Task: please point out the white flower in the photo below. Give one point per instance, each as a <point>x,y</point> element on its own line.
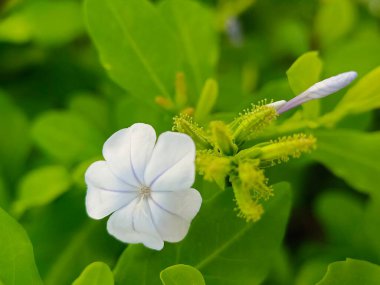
<point>317,91</point>
<point>146,185</point>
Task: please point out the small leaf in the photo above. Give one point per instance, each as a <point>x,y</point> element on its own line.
<point>93,108</point>
<point>351,272</point>
<point>16,254</point>
<point>66,136</point>
<point>142,58</point>
<point>97,273</point>
<point>351,155</point>
<point>303,73</point>
<point>41,186</point>
<point>181,274</point>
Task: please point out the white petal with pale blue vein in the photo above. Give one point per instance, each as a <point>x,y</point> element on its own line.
<point>172,165</point>
<point>128,151</point>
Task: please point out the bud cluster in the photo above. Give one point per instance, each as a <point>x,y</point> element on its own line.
<point>224,157</point>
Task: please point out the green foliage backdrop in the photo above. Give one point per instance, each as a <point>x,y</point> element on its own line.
<point>73,72</point>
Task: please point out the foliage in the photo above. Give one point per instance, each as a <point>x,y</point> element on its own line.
<point>73,73</point>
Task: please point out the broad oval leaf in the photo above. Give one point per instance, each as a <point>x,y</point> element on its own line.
<point>181,274</point>
<point>351,155</point>
<point>91,107</point>
<point>66,136</point>
<point>341,227</point>
<point>223,247</point>
<point>41,186</point>
<point>136,46</point>
<point>351,272</point>
<point>97,273</point>
<point>17,265</point>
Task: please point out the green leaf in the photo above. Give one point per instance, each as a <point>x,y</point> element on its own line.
<point>15,139</point>
<point>75,240</point>
<point>92,108</point>
<point>97,273</point>
<point>364,96</point>
<point>223,247</point>
<point>195,30</point>
<point>358,52</point>
<point>181,274</point>
<point>66,136</point>
<point>351,272</point>
<point>303,73</point>
<point>37,21</point>
<point>143,58</point>
<point>311,271</point>
<point>130,110</point>
<point>371,227</point>
<point>16,254</point>
<point>41,186</point>
<point>4,195</point>
<point>342,227</point>
<point>328,29</point>
<point>351,155</point>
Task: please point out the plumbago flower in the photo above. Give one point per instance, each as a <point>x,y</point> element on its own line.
<point>233,153</point>
<point>145,185</point>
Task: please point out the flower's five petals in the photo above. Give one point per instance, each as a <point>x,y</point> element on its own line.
<point>145,186</point>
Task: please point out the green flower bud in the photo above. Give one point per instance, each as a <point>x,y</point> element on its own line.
<point>286,147</point>
<point>213,167</point>
<point>184,124</point>
<point>248,125</point>
<point>222,138</point>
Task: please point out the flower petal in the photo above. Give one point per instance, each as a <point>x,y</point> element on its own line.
<point>128,151</point>
<point>172,165</point>
<point>170,226</point>
<point>99,174</point>
<point>133,224</point>
<point>184,203</point>
<point>106,193</point>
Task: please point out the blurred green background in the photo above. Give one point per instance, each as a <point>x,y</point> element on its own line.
<point>58,106</point>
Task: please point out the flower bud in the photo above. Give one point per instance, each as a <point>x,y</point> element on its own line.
<point>184,124</point>
<point>248,125</point>
<point>222,138</point>
<point>283,148</point>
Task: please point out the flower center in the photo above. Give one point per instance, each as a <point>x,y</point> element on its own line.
<point>144,191</point>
